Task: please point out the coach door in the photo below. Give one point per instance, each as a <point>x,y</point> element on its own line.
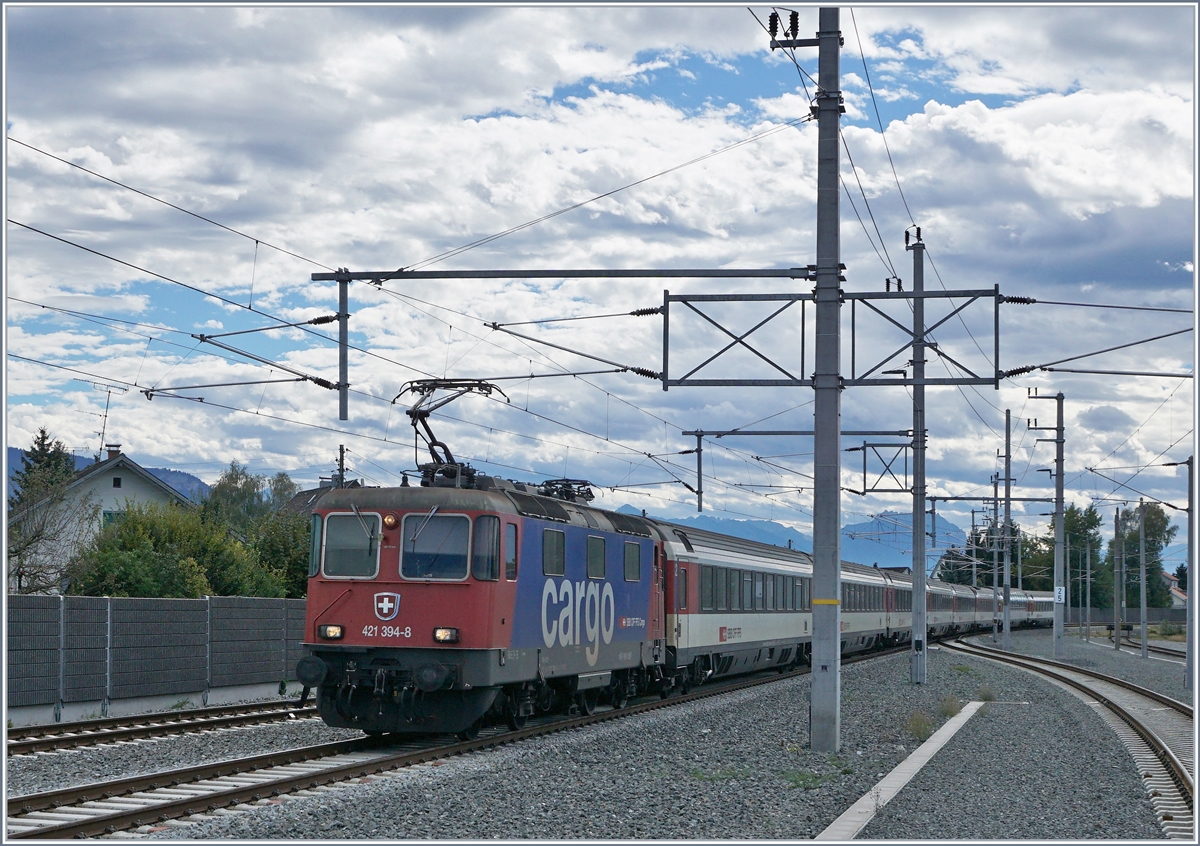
<point>682,612</point>
<point>658,603</point>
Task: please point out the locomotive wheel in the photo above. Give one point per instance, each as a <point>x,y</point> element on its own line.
<point>472,731</point>
<point>620,697</point>
<point>587,699</point>
<point>515,721</point>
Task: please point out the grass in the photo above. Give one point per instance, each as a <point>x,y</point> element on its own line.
<point>965,670</point>
<point>986,694</point>
<point>919,725</point>
<point>182,705</point>
<point>805,779</point>
<point>950,706</point>
<point>719,775</point>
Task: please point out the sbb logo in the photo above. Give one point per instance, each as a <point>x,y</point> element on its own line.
<point>587,613</point>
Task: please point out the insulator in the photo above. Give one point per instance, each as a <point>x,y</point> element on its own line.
<point>645,312</point>
<point>1018,371</point>
<point>329,318</point>
<point>918,233</point>
<point>324,383</point>
<point>906,234</point>
<point>795,22</point>
<point>1018,300</point>
<point>642,371</point>
<point>773,24</point>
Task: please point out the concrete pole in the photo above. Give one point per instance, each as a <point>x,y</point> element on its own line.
<point>1088,630</point>
<point>995,556</point>
<point>1007,528</point>
<point>699,473</point>
<point>1067,563</point>
<point>974,550</point>
<point>1058,529</point>
<point>919,627</point>
<point>824,718</point>
<point>1118,581</point>
<point>343,347</point>
<point>1142,574</point>
<point>1189,663</point>
<point>1020,572</point>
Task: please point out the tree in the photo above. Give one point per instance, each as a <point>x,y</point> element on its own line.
<point>1181,574</point>
<point>1159,533</point>
<point>170,551</point>
<point>281,541</point>
<point>45,524</point>
<point>237,499</point>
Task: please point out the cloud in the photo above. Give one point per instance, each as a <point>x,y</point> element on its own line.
<point>375,138</point>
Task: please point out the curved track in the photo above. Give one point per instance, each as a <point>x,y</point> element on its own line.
<point>1155,728</point>
<point>104,808</point>
<point>56,736</point>
<point>1164,651</point>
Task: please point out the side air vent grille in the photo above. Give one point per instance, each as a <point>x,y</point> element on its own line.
<point>533,506</point>
<point>627,525</point>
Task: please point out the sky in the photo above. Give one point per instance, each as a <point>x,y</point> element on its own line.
<point>1047,150</point>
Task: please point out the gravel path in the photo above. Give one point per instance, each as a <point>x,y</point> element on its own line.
<point>738,767</point>
<point>1158,674</point>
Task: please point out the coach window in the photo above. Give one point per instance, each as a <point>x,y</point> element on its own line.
<point>769,592</point>
<point>789,593</point>
<point>747,590</point>
<point>735,590</point>
<point>721,588</point>
<point>485,565</point>
<point>554,545</point>
<point>595,559</point>
<point>510,551</point>
<point>758,591</point>
<point>633,562</point>
<point>434,546</point>
<point>352,545</point>
<point>706,587</point>
<point>681,588</point>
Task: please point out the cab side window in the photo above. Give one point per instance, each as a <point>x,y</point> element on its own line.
<point>485,565</point>
<point>554,546</point>
<point>510,552</point>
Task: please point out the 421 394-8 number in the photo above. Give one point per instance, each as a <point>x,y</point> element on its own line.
<point>387,631</point>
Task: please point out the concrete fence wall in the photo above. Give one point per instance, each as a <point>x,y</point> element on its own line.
<point>96,650</point>
<point>1103,616</point>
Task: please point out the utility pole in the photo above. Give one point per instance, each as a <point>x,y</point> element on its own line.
<point>824,713</point>
<point>1088,631</point>
<point>974,582</point>
<point>343,280</point>
<point>341,482</point>
<point>995,555</point>
<point>1007,526</point>
<point>1060,590</point>
<point>1142,573</point>
<point>1118,580</point>
<point>919,629</point>
<point>1191,511</point>
<point>1067,562</point>
<point>1020,572</point>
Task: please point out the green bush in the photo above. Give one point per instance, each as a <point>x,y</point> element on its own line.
<point>919,726</point>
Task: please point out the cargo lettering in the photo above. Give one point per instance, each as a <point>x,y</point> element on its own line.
<point>578,612</point>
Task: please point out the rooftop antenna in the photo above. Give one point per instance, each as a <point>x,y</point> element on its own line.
<point>108,389</point>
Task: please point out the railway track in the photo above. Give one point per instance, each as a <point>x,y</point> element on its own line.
<point>1165,651</point>
<point>58,736</point>
<point>1155,728</point>
<point>108,807</point>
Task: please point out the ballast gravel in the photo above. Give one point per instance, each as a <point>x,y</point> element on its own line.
<point>1156,673</point>
<point>1034,763</point>
<point>69,768</point>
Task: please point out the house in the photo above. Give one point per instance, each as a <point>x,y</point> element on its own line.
<point>106,489</point>
<point>1178,597</point>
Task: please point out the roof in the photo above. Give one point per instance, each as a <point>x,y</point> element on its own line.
<point>303,502</point>
<point>124,462</point>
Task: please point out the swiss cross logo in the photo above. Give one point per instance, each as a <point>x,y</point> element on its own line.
<point>387,605</point>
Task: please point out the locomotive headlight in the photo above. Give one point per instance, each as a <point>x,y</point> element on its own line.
<point>445,635</point>
<point>330,632</point>
<point>390,521</point>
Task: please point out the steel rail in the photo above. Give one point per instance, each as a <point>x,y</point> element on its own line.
<point>1175,767</point>
<point>59,800</point>
<point>1158,650</point>
<point>48,738</point>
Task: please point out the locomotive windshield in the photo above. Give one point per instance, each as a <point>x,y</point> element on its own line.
<point>435,546</point>
<point>351,545</point>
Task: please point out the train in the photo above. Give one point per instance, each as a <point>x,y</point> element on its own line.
<point>471,599</point>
